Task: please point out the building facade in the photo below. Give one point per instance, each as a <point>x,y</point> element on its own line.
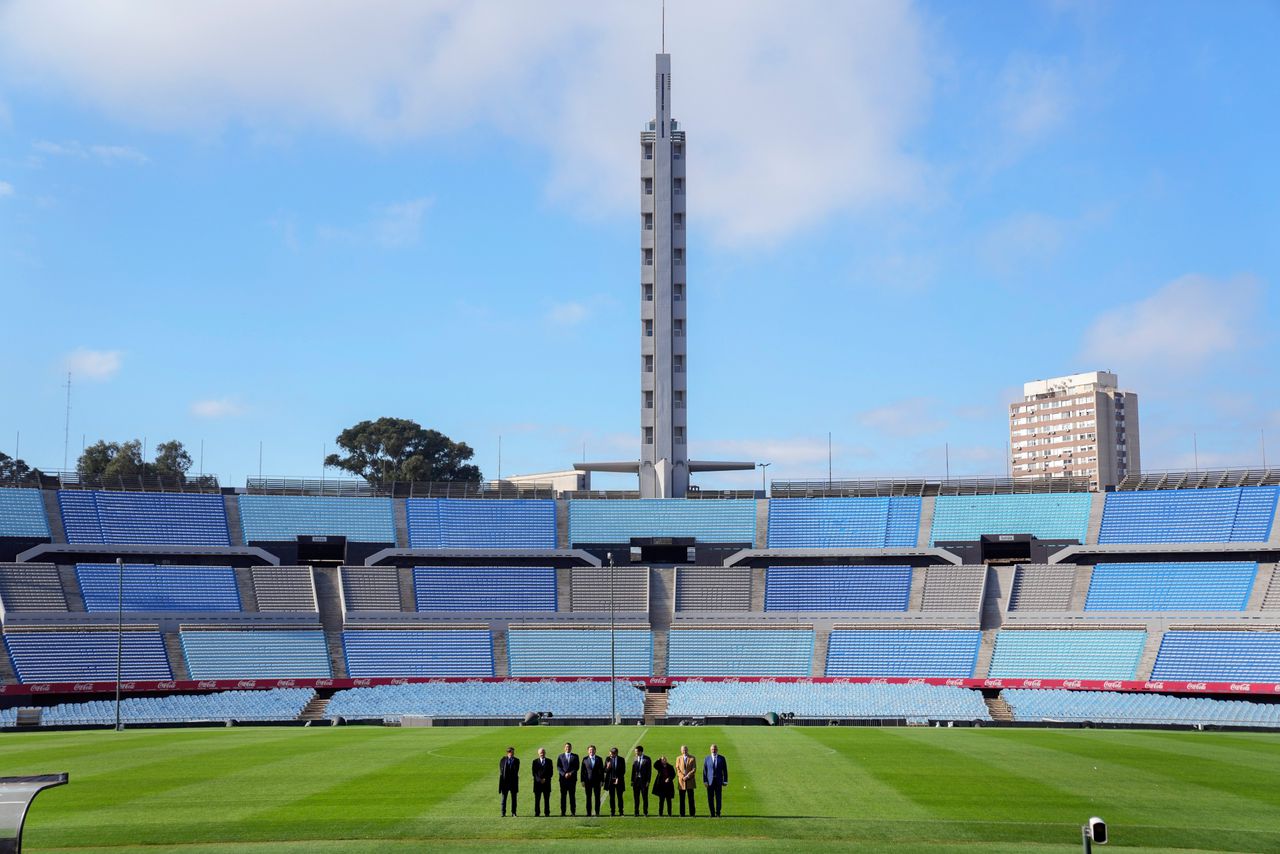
<point>1081,425</point>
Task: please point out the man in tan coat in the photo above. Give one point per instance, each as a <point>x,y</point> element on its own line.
<point>687,779</point>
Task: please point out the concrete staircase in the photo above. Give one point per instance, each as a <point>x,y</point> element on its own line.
<point>1080,593</point>
<point>408,596</point>
<point>562,523</point>
<point>71,588</point>
<point>401,511</point>
<point>762,524</point>
<point>927,505</point>
<point>1095,518</point>
<point>313,711</point>
<point>655,706</point>
<point>244,584</point>
<point>501,664</point>
<point>986,650</point>
<point>177,661</point>
<point>662,583</point>
<point>564,589</point>
<point>757,588</point>
<point>234,528</point>
<point>1148,661</point>
<point>821,640</point>
<point>7,675</point>
<point>661,638</point>
<point>54,512</point>
<point>329,600</point>
<point>999,709</point>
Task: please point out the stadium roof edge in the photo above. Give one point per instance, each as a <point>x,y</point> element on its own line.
<point>474,557</point>
<point>914,556</point>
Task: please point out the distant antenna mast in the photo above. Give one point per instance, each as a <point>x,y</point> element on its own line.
<point>664,26</point>
<point>66,427</point>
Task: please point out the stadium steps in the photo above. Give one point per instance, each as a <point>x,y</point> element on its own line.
<point>1266,589</point>
<point>329,600</point>
<point>927,505</point>
<point>244,585</point>
<point>1149,652</point>
<point>662,597</point>
<point>177,660</point>
<point>564,589</point>
<point>915,600</point>
<point>762,524</point>
<point>660,640</point>
<point>996,593</point>
<point>315,709</point>
<point>999,709</point>
<point>1095,518</point>
<point>400,512</point>
<point>757,588</point>
<point>235,529</point>
<point>7,676</point>
<point>562,526</point>
<point>71,588</point>
<point>408,594</point>
<point>1080,593</point>
<point>53,512</point>
<point>821,640</point>
<point>501,663</point>
<point>986,650</point>
<point>655,706</point>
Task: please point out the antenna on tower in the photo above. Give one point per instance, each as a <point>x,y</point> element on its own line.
<point>664,26</point>
<point>66,425</point>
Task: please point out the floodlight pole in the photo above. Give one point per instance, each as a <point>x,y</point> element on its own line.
<point>1085,841</point>
<point>763,489</point>
<point>613,650</point>
<point>119,633</point>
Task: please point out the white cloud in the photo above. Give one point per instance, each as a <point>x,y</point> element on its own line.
<point>795,110</point>
<point>568,313</point>
<point>94,364</point>
<point>217,408</point>
<point>914,416</point>
<point>6,189</point>
<point>400,225</point>
<point>106,154</point>
<point>1182,326</point>
<point>805,453</point>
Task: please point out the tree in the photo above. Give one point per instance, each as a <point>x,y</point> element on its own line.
<point>108,460</point>
<point>172,460</point>
<point>16,471</point>
<point>397,449</point>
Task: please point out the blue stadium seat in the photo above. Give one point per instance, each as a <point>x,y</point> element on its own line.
<point>1192,586</point>
<point>470,588</point>
<point>283,518</point>
<point>83,655</point>
<point>1050,516</point>
<point>418,652</point>
<point>740,652</point>
<point>22,514</point>
<point>1241,514</point>
<point>837,588</point>
<point>148,587</point>
<point>462,523</point>
<point>1116,707</point>
<point>707,520</point>
<point>256,654</point>
<point>275,704</point>
<point>577,652</point>
<point>887,522</point>
<point>512,700</point>
<point>902,652</point>
<point>1068,653</point>
<point>1227,656</point>
<point>826,701</point>
<point>144,518</point>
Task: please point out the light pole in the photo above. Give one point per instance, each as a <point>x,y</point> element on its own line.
<point>763,466</point>
<point>119,633</point>
<point>613,651</point>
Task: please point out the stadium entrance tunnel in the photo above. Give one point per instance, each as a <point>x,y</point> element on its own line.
<point>1004,549</point>
<point>322,551</point>
<point>16,795</point>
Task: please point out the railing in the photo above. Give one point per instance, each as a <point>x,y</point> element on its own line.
<point>925,486</point>
<point>1206,479</point>
<point>396,489</point>
<point>119,483</point>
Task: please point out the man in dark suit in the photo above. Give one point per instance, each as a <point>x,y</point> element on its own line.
<point>641,772</point>
<point>592,778</point>
<point>715,775</point>
<point>615,781</point>
<point>542,771</point>
<point>567,766</point>
<point>509,779</point>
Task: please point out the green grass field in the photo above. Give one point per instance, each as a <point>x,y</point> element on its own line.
<point>793,789</point>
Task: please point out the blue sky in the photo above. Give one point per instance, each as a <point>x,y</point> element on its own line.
<point>239,222</point>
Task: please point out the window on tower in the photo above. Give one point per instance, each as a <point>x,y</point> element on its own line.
<point>648,328</point>
<point>648,257</point>
<point>648,151</point>
<point>648,364</point>
<point>677,255</point>
<point>648,292</point>
<point>677,362</point>
<point>678,399</point>
<point>677,290</point>
<point>677,185</point>
<point>677,326</point>
<point>648,435</point>
<point>677,219</point>
<point>648,186</point>
<point>648,400</point>
<point>648,222</point>
<point>679,435</point>
<point>677,150</point>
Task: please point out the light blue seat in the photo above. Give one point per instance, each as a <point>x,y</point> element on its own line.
<point>1115,707</point>
<point>902,652</point>
<point>1068,653</point>
<point>275,704</point>
<point>485,588</point>
<point>470,523</point>
<point>837,588</point>
<point>1049,516</point>
<point>578,652</point>
<point>1227,656</point>
<point>83,655</point>
<point>144,518</point>
<point>1241,514</point>
<point>256,653</point>
<point>418,652</point>
<point>916,703</point>
<point>284,518</point>
<point>873,522</point>
<point>507,699</point>
<point>740,652</point>
<point>706,520</point>
<point>1191,586</point>
<point>22,514</point>
<point>148,587</point>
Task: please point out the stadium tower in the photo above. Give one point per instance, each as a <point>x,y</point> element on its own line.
<point>664,465</point>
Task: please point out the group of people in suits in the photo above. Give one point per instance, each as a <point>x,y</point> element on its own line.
<point>609,774</point>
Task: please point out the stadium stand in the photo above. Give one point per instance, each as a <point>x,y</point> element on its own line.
<point>461,523</point>
<point>1048,516</point>
<point>713,589</point>
<point>827,701</point>
<point>255,653</point>
<point>31,587</point>
<point>488,588</point>
<point>1271,597</point>
<point>282,518</point>
<point>730,520</point>
<point>484,700</point>
<point>148,587</point>
<point>418,652</point>
<point>1192,586</point>
<point>1043,587</point>
<point>144,518</point>
<point>1068,653</point>
<point>78,655</point>
<point>577,651</point>
<point>274,704</point>
<point>589,589</point>
<point>872,522</point>
<point>837,588</point>
<point>1219,655</point>
<point>1240,514</point>
<point>371,588</point>
<point>953,588</point>
<point>22,514</point>
<point>1136,708</point>
<point>903,652</point>
<point>740,652</point>
<point>283,588</point>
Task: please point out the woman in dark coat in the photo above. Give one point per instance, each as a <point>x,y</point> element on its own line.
<point>664,783</point>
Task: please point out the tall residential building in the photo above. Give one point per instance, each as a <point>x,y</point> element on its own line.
<point>1080,425</point>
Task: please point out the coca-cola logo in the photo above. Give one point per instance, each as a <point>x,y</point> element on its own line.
<point>955,682</point>
<point>82,686</point>
<point>1241,686</point>
<point>1154,686</point>
<point>166,686</point>
<point>1030,683</point>
<point>878,681</point>
<point>286,683</point>
<point>127,686</point>
<point>41,689</point>
<point>247,683</point>
<point>1072,683</point>
<point>324,683</point>
<point>207,683</point>
<point>731,679</point>
<point>399,681</point>
<point>994,683</point>
<point>362,683</point>
<point>1196,686</point>
<point>917,681</point>
<point>1113,685</point>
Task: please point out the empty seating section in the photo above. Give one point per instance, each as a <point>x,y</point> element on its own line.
<point>577,652</point>
<point>283,518</point>
<point>740,652</point>
<point>707,520</point>
<point>877,522</point>
<point>275,704</point>
<point>461,523</point>
<point>144,518</point>
<point>31,587</point>
<point>371,588</point>
<point>82,655</point>
<point>1193,586</point>
<point>589,589</point>
<point>953,588</point>
<point>418,652</point>
<point>916,703</point>
<point>713,589</point>
<point>484,700</point>
<point>837,588</point>
<point>1052,516</point>
<point>1219,656</point>
<point>1068,653</point>
<point>148,587</point>
<point>283,588</point>
<point>22,514</point>
<point>1043,587</point>
<point>1241,514</point>
<point>485,588</point>
<point>902,652</point>
<point>255,653</point>
<point>1135,708</point>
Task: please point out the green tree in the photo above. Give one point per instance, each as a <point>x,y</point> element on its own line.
<point>15,471</point>
<point>109,460</point>
<point>397,449</point>
<point>172,460</point>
